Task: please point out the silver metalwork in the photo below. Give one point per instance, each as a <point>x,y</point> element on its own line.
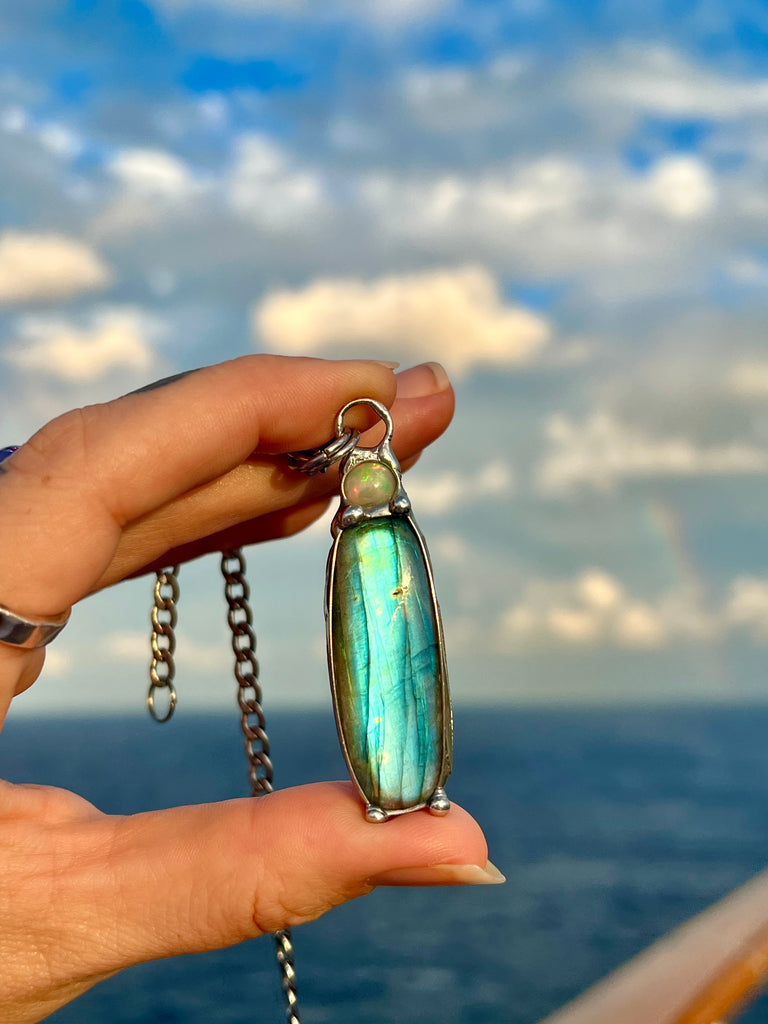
<point>439,803</point>
<point>249,694</point>
<point>352,515</point>
<point>317,460</point>
<point>253,725</point>
<point>17,631</point>
<point>163,667</point>
<point>348,515</point>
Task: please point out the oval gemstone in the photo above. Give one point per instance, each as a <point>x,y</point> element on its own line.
<point>386,666</point>
<point>369,484</point>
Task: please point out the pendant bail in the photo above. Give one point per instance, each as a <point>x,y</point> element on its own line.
<point>381,411</point>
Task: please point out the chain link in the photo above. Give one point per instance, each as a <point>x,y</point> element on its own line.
<point>253,725</point>
<point>163,667</point>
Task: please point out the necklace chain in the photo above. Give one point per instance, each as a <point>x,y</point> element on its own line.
<point>249,694</point>
<point>163,667</point>
<point>249,700</point>
<point>253,725</point>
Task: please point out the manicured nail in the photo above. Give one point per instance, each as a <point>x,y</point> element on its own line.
<point>390,365</point>
<point>441,874</point>
<point>419,381</point>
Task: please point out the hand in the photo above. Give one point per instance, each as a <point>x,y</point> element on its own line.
<point>111,491</point>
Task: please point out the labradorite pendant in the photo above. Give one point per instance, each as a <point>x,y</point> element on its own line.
<point>385,642</point>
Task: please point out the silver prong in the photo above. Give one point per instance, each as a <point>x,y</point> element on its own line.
<point>439,804</point>
<point>402,505</point>
<point>375,813</point>
<point>352,516</point>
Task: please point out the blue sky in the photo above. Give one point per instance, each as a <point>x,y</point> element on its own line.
<point>566,203</point>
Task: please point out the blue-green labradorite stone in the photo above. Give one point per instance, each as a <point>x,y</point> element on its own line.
<point>386,664</point>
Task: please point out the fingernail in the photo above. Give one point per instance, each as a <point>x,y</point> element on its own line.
<point>441,874</point>
<point>389,365</point>
<point>419,381</point>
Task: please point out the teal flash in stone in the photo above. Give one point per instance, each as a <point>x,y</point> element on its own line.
<point>387,667</point>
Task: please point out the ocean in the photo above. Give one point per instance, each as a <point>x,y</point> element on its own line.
<point>612,826</point>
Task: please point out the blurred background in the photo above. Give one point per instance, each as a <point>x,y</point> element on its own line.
<point>566,203</point>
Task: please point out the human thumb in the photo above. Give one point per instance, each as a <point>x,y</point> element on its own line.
<point>121,890</point>
<point>196,878</point>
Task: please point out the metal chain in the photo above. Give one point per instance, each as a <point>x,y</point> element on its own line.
<point>317,460</point>
<point>163,667</point>
<point>253,725</point>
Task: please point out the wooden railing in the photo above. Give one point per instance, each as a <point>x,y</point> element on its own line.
<point>705,972</point>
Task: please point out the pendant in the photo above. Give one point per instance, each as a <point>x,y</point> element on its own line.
<point>385,641</point>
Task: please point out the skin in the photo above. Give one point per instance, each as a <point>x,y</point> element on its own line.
<point>111,491</point>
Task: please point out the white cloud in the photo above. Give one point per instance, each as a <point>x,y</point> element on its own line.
<point>548,192</point>
<point>13,119</point>
<point>247,6</point>
<point>511,195</point>
<point>595,609</point>
<point>604,90</point>
<point>152,188</point>
<point>747,606</point>
<point>447,98</point>
<point>47,266</point>
<point>590,609</point>
<point>747,271</point>
<point>353,136</point>
<point>531,203</point>
<point>599,591</point>
<point>191,655</point>
<point>573,625</point>
<point>682,187</point>
<point>603,452</point>
<point>266,185</point>
<point>116,338</point>
<point>456,316</point>
<point>638,625</point>
<point>459,98</point>
<point>60,139</point>
<point>383,13</point>
<point>749,379</point>
<point>593,219</point>
<point>450,548</point>
<point>440,494</point>
<point>152,172</point>
<point>58,662</point>
<point>660,80</point>
<point>55,136</point>
<point>127,646</point>
<point>214,110</point>
<point>263,186</point>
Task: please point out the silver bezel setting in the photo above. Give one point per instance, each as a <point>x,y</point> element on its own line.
<point>349,515</point>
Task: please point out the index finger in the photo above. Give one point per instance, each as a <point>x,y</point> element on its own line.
<point>71,488</point>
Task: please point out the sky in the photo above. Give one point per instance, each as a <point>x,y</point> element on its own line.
<point>564,202</point>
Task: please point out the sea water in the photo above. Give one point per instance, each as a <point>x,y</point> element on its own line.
<point>612,826</point>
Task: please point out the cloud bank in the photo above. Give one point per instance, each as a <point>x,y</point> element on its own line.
<point>114,339</point>
<point>47,266</point>
<point>456,316</point>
